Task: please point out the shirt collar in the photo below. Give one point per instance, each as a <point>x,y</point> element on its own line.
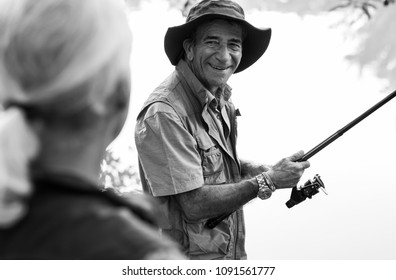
<point>203,95</point>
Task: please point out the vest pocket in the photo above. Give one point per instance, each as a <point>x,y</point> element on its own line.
<point>208,243</point>
<point>212,160</point>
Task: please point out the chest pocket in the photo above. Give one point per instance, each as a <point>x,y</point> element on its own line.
<point>212,160</point>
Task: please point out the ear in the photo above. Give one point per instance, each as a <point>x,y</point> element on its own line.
<point>123,91</point>
<point>188,45</point>
<point>119,99</point>
<point>118,106</point>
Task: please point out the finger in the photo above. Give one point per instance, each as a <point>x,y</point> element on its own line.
<point>296,156</point>
<point>305,164</point>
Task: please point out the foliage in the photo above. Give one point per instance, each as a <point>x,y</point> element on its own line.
<point>377,47</point>
<point>363,8</point>
<point>117,174</point>
<point>182,5</point>
<point>370,23</point>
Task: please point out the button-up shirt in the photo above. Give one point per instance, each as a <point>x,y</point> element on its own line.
<point>186,138</point>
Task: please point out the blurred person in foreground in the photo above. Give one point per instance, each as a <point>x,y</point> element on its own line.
<point>186,135</point>
<point>65,87</point>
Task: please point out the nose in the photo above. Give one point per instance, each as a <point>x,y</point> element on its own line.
<point>223,54</point>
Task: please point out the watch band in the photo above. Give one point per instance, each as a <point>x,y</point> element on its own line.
<point>264,191</point>
<point>270,184</point>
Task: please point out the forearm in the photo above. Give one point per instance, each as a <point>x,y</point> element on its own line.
<point>250,169</point>
<point>214,200</point>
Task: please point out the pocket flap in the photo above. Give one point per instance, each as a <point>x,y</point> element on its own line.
<point>204,141</point>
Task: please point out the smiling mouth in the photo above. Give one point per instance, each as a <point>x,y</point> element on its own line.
<point>219,67</point>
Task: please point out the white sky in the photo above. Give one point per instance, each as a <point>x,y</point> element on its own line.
<point>299,93</point>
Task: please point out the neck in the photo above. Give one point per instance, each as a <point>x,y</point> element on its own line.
<point>74,157</point>
<point>76,169</point>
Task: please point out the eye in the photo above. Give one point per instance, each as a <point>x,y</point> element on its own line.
<point>235,46</point>
<point>212,43</point>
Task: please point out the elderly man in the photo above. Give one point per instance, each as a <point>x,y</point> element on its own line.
<point>186,135</point>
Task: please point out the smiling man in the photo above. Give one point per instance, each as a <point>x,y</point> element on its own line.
<point>186,135</point>
<point>214,53</point>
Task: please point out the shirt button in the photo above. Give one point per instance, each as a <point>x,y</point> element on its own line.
<point>218,116</point>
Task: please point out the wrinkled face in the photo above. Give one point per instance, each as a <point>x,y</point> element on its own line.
<point>215,52</point>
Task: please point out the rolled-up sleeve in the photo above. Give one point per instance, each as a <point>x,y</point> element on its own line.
<point>167,152</point>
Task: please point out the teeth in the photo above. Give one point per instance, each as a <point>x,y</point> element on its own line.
<point>218,68</point>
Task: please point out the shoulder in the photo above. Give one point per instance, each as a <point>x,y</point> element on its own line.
<point>166,91</point>
<point>171,97</point>
<point>87,225</point>
<point>160,107</point>
<point>120,234</point>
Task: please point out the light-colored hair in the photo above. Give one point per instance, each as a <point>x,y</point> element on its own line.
<point>63,57</point>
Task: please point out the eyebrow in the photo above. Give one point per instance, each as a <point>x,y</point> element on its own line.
<point>239,41</point>
<point>213,37</point>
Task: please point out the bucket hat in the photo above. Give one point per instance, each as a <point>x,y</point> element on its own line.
<point>253,46</point>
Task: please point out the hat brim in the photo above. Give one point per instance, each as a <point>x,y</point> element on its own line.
<point>254,45</point>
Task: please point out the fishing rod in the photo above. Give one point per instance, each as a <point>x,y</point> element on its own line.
<point>340,132</point>
<point>312,187</point>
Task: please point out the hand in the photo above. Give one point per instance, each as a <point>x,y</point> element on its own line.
<point>287,172</point>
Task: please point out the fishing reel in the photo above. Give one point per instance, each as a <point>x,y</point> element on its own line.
<point>309,189</point>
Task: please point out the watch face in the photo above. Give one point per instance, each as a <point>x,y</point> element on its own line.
<point>264,193</point>
<point>267,193</point>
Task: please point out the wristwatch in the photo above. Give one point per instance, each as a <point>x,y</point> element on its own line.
<point>265,190</point>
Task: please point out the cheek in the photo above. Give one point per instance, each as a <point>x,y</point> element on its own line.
<point>237,59</point>
<point>204,54</point>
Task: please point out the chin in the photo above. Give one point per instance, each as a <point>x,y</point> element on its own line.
<point>219,83</point>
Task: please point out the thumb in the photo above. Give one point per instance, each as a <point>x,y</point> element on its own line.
<point>296,156</point>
